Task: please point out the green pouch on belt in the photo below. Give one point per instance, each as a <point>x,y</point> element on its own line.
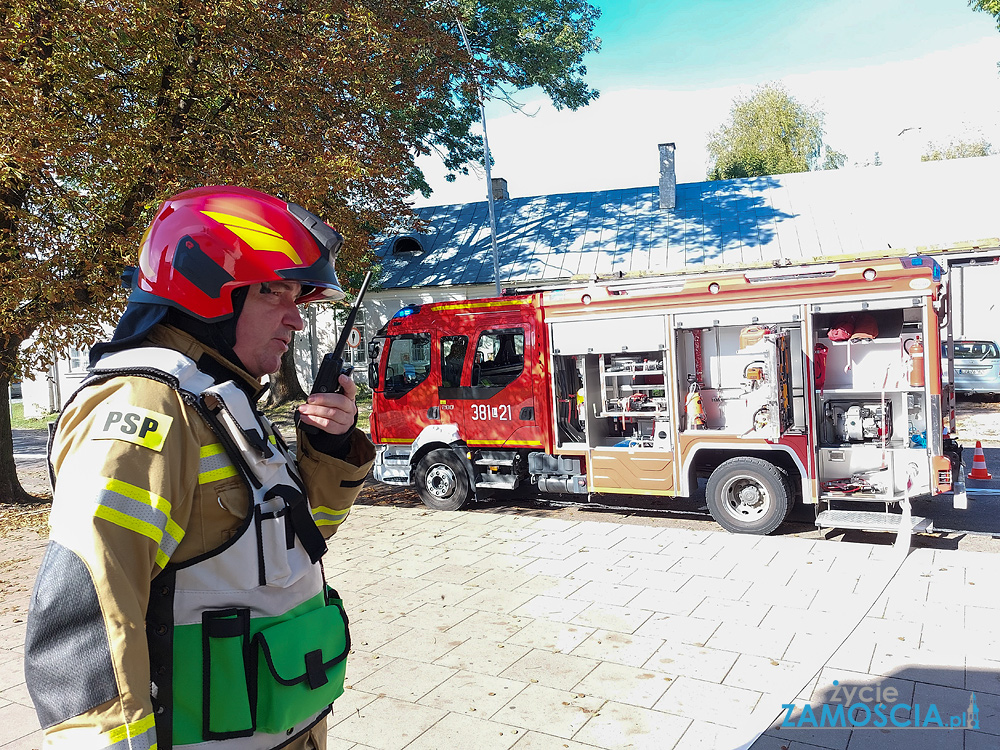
<point>301,665</point>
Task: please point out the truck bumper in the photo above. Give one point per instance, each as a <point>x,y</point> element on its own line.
<point>392,464</point>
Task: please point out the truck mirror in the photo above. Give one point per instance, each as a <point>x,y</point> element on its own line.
<point>373,375</point>
<point>373,349</point>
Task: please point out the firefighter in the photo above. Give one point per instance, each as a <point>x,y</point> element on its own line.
<point>181,600</point>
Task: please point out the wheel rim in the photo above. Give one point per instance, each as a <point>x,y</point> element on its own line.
<point>745,498</point>
<point>441,481</point>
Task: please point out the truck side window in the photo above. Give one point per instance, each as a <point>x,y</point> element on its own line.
<point>408,362</point>
<point>499,357</point>
<point>453,350</point>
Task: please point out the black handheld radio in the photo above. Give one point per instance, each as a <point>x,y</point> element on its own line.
<point>332,366</point>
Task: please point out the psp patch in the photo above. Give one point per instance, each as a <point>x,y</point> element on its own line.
<point>133,425</point>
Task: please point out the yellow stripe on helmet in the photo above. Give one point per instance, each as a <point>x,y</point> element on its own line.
<point>256,235</point>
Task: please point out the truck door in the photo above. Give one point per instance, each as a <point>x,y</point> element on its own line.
<point>494,405</point>
<point>409,388</point>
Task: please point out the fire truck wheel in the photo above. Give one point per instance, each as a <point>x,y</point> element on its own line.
<point>747,495</point>
<point>442,481</point>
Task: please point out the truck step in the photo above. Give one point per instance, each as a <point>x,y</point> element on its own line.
<point>861,497</point>
<point>494,462</point>
<point>497,481</point>
<point>494,458</point>
<point>870,521</point>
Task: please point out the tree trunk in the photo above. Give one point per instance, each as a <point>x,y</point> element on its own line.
<point>285,386</point>
<point>11,490</point>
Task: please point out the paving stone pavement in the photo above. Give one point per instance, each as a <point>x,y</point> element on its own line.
<point>513,630</point>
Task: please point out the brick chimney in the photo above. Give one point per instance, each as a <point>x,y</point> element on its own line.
<point>668,177</point>
<point>500,189</point>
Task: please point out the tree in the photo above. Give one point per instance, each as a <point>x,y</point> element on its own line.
<point>957,149</point>
<point>768,132</point>
<point>110,108</point>
<point>987,6</point>
<point>834,159</point>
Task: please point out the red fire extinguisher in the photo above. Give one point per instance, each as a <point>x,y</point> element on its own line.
<point>916,352</point>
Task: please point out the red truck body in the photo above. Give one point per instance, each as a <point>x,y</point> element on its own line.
<point>745,379</point>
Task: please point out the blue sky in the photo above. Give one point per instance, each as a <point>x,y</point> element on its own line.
<point>668,71</point>
<point>699,43</point>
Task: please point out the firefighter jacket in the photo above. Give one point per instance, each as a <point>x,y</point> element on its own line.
<point>181,602</point>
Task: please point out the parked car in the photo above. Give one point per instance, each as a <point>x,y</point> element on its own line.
<point>977,367</point>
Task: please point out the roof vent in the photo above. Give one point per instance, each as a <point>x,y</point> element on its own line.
<point>406,244</point>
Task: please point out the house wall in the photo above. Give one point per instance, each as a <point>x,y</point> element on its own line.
<point>46,392</point>
<point>977,309</point>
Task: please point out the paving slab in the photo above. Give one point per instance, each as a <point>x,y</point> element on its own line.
<point>500,630</point>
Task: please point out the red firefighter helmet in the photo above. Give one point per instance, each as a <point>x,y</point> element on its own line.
<point>206,242</point>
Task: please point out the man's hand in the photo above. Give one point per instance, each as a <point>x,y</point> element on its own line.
<point>332,412</point>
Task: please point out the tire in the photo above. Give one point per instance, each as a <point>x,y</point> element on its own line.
<point>748,495</point>
<point>442,481</point>
<point>791,490</point>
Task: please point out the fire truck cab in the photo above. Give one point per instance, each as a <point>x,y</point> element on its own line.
<point>761,388</point>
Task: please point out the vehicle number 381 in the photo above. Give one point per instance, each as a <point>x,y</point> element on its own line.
<point>485,412</point>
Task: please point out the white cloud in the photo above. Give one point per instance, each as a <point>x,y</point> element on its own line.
<point>613,142</point>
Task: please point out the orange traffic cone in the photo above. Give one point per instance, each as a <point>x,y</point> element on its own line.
<point>979,464</point>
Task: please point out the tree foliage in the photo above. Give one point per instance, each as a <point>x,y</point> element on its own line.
<point>834,159</point>
<point>111,107</point>
<point>768,132</point>
<point>957,149</point>
<point>987,6</point>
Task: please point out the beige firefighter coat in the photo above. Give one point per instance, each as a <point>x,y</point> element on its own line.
<point>172,472</point>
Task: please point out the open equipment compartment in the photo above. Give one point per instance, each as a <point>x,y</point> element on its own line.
<point>871,408</point>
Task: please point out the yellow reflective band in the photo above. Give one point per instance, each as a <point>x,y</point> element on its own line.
<point>272,439</point>
<point>131,424</point>
<point>211,450</point>
<point>212,471</point>
<point>216,474</point>
<point>522,443</point>
<point>154,522</point>
<point>478,304</point>
<point>324,516</point>
<point>256,235</point>
<point>132,731</point>
<point>128,522</point>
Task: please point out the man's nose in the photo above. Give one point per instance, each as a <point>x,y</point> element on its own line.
<point>293,317</point>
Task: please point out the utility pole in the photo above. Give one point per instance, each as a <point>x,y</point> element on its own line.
<point>489,178</point>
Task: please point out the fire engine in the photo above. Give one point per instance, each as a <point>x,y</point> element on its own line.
<point>761,388</point>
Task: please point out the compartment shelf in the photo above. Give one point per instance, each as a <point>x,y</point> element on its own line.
<point>630,373</point>
<point>873,392</point>
<point>634,414</point>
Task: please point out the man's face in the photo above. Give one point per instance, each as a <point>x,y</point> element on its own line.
<point>265,326</point>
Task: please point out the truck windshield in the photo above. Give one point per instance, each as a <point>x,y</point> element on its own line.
<point>407,362</point>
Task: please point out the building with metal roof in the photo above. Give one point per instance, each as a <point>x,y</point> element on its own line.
<point>926,207</point>
<point>946,208</point>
